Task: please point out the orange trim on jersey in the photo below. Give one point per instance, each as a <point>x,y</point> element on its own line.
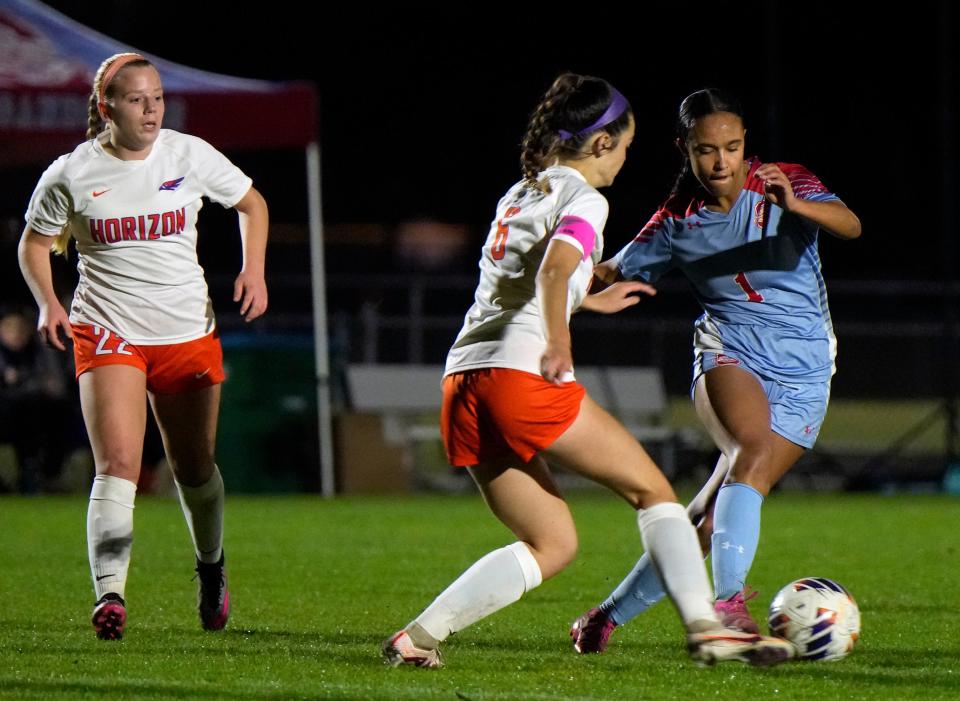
<point>170,369</point>
<point>494,413</point>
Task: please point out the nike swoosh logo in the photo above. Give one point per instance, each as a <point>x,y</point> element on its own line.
<point>201,374</point>
<point>97,194</point>
<point>104,576</point>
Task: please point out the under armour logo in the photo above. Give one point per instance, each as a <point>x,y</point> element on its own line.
<point>727,545</point>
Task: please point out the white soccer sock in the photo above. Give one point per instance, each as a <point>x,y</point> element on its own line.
<point>671,541</point>
<point>110,533</point>
<point>203,509</point>
<point>494,581</point>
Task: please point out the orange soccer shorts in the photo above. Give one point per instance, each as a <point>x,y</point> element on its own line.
<point>493,413</point>
<point>170,369</point>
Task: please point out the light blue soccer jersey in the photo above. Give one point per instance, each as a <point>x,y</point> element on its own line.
<point>755,271</point>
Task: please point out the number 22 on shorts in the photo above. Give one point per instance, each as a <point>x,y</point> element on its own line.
<point>105,336</point>
<point>499,248</point>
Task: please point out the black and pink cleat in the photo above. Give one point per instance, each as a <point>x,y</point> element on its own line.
<point>213,597</point>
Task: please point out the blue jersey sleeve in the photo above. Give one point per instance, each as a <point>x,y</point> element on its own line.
<point>649,255</point>
<point>806,185</point>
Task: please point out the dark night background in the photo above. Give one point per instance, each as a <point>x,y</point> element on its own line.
<point>421,115</point>
<point>422,111</point>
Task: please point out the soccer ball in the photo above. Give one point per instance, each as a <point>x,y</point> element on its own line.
<point>818,616</point>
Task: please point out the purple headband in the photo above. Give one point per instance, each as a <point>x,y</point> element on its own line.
<point>618,105</point>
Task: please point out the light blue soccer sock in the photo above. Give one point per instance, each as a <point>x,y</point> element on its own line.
<point>638,591</point>
<point>736,532</point>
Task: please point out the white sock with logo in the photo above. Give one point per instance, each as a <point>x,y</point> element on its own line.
<point>493,582</point>
<point>203,508</point>
<point>671,541</point>
<point>110,533</point>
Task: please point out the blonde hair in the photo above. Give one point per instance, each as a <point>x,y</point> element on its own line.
<point>95,122</point>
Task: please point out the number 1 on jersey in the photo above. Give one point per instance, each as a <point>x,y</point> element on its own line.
<point>752,294</point>
<point>499,248</point>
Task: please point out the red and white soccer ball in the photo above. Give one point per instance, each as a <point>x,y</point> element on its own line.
<point>818,616</point>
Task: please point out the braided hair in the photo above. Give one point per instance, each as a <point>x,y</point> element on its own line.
<point>572,104</point>
<point>694,106</point>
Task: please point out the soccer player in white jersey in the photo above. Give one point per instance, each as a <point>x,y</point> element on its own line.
<point>745,235</point>
<point>141,320</point>
<point>511,402</point>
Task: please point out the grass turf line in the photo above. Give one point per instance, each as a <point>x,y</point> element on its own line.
<point>317,586</point>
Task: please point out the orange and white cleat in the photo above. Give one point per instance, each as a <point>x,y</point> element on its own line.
<point>399,649</point>
<point>727,645</point>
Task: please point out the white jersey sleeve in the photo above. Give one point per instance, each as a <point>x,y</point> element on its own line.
<point>590,208</point>
<point>51,204</point>
<point>221,180</point>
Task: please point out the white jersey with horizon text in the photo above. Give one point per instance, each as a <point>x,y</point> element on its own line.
<point>135,227</point>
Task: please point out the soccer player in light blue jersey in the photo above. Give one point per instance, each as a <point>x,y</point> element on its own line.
<point>745,235</point>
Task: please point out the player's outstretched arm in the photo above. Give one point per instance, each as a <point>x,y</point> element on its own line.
<point>835,217</point>
<point>607,271</point>
<point>250,288</point>
<point>617,297</point>
<point>34,255</point>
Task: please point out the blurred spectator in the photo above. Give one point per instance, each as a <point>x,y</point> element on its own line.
<point>35,403</point>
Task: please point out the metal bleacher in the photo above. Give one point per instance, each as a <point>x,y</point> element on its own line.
<point>407,399</point>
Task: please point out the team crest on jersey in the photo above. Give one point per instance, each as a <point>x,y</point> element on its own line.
<point>726,360</point>
<point>172,184</point>
<point>758,213</point>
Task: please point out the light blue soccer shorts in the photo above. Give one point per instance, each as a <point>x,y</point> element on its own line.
<point>797,409</point>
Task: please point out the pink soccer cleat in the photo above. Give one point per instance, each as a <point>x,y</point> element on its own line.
<point>591,632</point>
<point>734,614</point>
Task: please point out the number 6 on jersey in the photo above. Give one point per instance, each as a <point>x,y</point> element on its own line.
<point>499,248</point>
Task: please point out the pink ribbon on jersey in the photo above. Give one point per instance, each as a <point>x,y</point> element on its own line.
<point>580,230</point>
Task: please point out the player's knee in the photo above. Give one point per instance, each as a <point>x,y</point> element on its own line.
<point>192,468</point>
<point>119,463</point>
<point>555,552</point>
<point>754,460</point>
<point>758,478</point>
<point>654,490</point>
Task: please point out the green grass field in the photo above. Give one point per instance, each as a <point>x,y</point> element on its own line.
<point>317,585</point>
